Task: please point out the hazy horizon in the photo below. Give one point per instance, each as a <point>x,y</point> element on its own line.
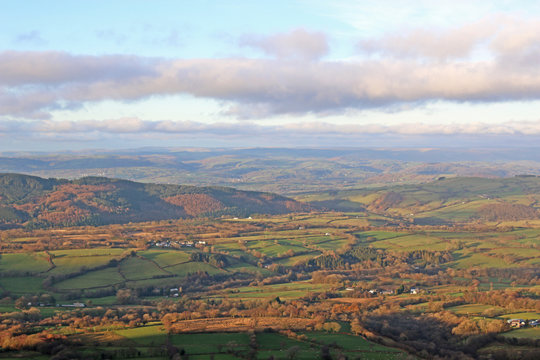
<point>287,74</point>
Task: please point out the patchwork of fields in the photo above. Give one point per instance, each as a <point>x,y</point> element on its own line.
<point>257,252</point>
<point>303,286</point>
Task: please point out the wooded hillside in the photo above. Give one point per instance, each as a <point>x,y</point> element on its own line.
<point>38,202</point>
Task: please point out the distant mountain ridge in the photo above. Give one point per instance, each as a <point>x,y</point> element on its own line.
<point>39,202</point>
<point>278,170</point>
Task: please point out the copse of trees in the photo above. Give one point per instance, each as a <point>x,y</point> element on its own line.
<point>217,260</point>
<point>333,261</point>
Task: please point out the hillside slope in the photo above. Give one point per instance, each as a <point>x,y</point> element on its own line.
<point>34,201</point>
<point>454,200</point>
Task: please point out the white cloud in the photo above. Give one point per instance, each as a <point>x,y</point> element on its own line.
<point>499,35</point>
<point>297,44</point>
<point>412,68</point>
<point>431,43</point>
<point>53,68</point>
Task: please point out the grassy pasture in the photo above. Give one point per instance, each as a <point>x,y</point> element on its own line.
<point>533,262</point>
<point>31,262</point>
<point>522,315</point>
<point>22,285</point>
<point>360,221</point>
<point>472,309</point>
<point>348,342</point>
<point>231,247</point>
<point>102,301</point>
<point>278,345</point>
<point>89,252</point>
<point>8,308</point>
<point>317,220</point>
<point>161,282</point>
<point>50,311</point>
<point>285,291</point>
<point>332,243</point>
<point>364,198</point>
<point>92,279</point>
<point>290,261</point>
<point>466,259</point>
<point>521,252</point>
<point>165,258</point>
<point>135,268</point>
<point>365,236</point>
<point>66,264</point>
<point>152,335</point>
<point>487,283</point>
<point>356,346</point>
<point>314,239</point>
<point>527,333</point>
<point>192,267</point>
<point>459,212</point>
<point>238,266</point>
<point>210,343</point>
<point>273,248</point>
<point>451,235</point>
<point>411,242</point>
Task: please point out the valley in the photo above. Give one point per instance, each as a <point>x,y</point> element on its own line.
<point>356,276</point>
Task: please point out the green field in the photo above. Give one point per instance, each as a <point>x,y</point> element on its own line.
<point>466,259</point>
<point>88,252</point>
<point>211,343</point>
<point>22,285</point>
<point>152,335</point>
<point>272,248</point>
<point>66,262</point>
<point>281,347</point>
<point>93,279</point>
<point>356,346</point>
<point>7,308</point>
<point>471,309</point>
<point>527,333</point>
<point>135,268</point>
<point>193,267</point>
<point>24,262</point>
<point>293,260</point>
<point>165,258</point>
<point>237,266</point>
<point>285,291</point>
<point>411,242</point>
<point>523,315</point>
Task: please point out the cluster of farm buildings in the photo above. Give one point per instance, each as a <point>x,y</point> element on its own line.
<point>519,323</point>
<point>177,244</point>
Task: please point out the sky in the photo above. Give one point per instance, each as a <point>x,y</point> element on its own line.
<point>295,73</point>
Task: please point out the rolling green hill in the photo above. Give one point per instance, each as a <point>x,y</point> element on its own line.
<point>454,200</point>
<point>34,201</point>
